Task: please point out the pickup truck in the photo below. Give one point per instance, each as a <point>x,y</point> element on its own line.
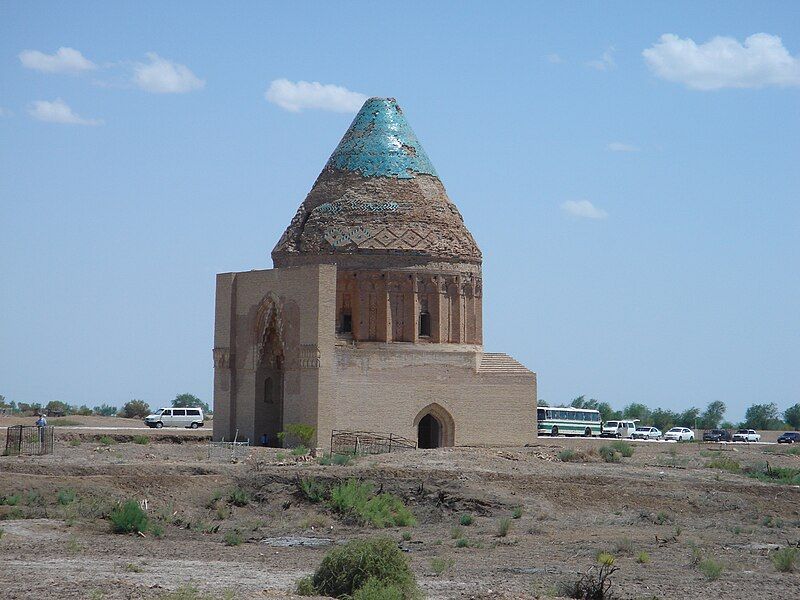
<point>746,435</point>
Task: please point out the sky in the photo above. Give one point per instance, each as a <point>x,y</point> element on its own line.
<point>629,170</point>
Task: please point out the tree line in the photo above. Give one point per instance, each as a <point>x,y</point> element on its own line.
<point>757,416</point>
<point>133,409</point>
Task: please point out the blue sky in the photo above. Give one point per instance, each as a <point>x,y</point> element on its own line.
<point>639,214</point>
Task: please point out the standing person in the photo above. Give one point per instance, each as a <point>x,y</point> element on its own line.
<point>41,423</point>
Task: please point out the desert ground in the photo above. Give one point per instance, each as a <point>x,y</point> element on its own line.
<point>660,513</point>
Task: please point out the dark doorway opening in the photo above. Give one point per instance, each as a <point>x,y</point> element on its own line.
<point>429,432</point>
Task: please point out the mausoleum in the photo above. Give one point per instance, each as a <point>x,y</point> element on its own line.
<point>371,319</point>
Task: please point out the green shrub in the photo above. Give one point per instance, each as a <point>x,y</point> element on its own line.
<point>238,497</point>
<point>466,520</point>
<point>782,475</point>
<point>304,433</point>
<point>74,443</point>
<point>341,460</point>
<point>503,527</point>
<point>142,440</point>
<point>517,512</point>
<point>439,565</point>
<point>605,558</point>
<point>567,455</point>
<point>624,546</point>
<point>300,450</point>
<point>355,500</point>
<point>456,532</point>
<point>406,536</point>
<point>711,568</point>
<point>643,557</point>
<point>377,565</point>
<point>107,441</point>
<point>11,500</point>
<point>624,448</point>
<point>66,497</point>
<point>129,518</point>
<point>312,489</point>
<point>608,454</point>
<point>233,537</point>
<point>724,463</point>
<point>784,558</point>
<point>462,543</point>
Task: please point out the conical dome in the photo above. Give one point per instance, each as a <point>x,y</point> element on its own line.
<point>378,194</point>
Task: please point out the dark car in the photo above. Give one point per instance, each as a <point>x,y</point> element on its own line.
<point>717,435</point>
<point>789,437</point>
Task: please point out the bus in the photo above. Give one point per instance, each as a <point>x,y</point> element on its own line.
<point>568,421</point>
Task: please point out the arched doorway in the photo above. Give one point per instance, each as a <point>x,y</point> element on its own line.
<point>429,432</point>
<point>269,376</point>
<point>435,427</point>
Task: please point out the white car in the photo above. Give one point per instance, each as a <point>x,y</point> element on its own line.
<point>175,417</point>
<point>618,429</point>
<point>680,434</point>
<point>646,433</point>
<point>746,435</point>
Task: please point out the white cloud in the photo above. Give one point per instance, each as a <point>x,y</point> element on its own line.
<point>162,76</point>
<point>723,62</point>
<point>583,209</point>
<point>65,60</point>
<point>622,147</point>
<point>58,111</point>
<point>4,112</point>
<point>554,59</point>
<point>296,96</point>
<point>605,62</point>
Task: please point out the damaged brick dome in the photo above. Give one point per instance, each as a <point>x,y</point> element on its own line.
<point>378,196</point>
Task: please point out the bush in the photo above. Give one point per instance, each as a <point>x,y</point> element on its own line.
<point>503,527</point>
<point>624,448</point>
<point>74,443</point>
<point>783,475</point>
<point>135,409</point>
<point>440,565</point>
<point>312,489</point>
<point>107,440</point>
<point>355,500</point>
<point>608,454</point>
<point>516,513</point>
<point>129,518</point>
<point>377,565</point>
<point>233,538</point>
<point>466,520</point>
<point>567,455</point>
<point>66,497</point>
<point>711,568</point>
<point>724,463</point>
<point>643,557</point>
<point>341,460</point>
<point>238,497</point>
<point>304,433</point>
<point>784,558</point>
<point>11,499</point>
<point>300,451</point>
<point>142,440</point>
<point>595,584</point>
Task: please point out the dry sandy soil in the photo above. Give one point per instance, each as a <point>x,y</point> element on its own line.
<point>664,500</point>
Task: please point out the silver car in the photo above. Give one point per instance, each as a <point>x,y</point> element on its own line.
<point>647,433</point>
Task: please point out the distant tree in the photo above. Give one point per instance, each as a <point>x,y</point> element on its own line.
<point>3,401</point>
<point>712,415</point>
<point>761,416</point>
<point>636,410</point>
<point>541,402</point>
<point>792,416</point>
<point>82,410</point>
<point>105,410</point>
<point>134,409</point>
<point>663,419</point>
<point>606,412</point>
<point>688,418</point>
<point>191,401</point>
<point>727,425</point>
<point>57,407</point>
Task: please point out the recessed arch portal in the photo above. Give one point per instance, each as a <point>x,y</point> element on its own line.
<point>435,427</point>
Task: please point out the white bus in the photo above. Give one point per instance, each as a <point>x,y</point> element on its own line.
<point>568,421</point>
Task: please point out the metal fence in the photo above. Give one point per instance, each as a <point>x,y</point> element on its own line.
<point>228,451</point>
<point>29,440</point>
<point>368,442</point>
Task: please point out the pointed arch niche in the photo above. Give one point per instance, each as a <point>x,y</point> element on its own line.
<point>435,427</point>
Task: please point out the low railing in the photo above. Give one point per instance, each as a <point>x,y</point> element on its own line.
<point>368,442</point>
<point>29,440</point>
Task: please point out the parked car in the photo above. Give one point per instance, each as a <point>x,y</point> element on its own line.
<point>717,435</point>
<point>175,417</point>
<point>619,429</point>
<point>646,433</point>
<point>789,437</point>
<point>680,434</point>
<point>746,435</point>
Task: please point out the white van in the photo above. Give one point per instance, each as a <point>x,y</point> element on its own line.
<point>619,429</point>
<point>175,417</point>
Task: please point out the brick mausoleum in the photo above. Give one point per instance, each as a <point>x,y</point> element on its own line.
<point>371,318</point>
